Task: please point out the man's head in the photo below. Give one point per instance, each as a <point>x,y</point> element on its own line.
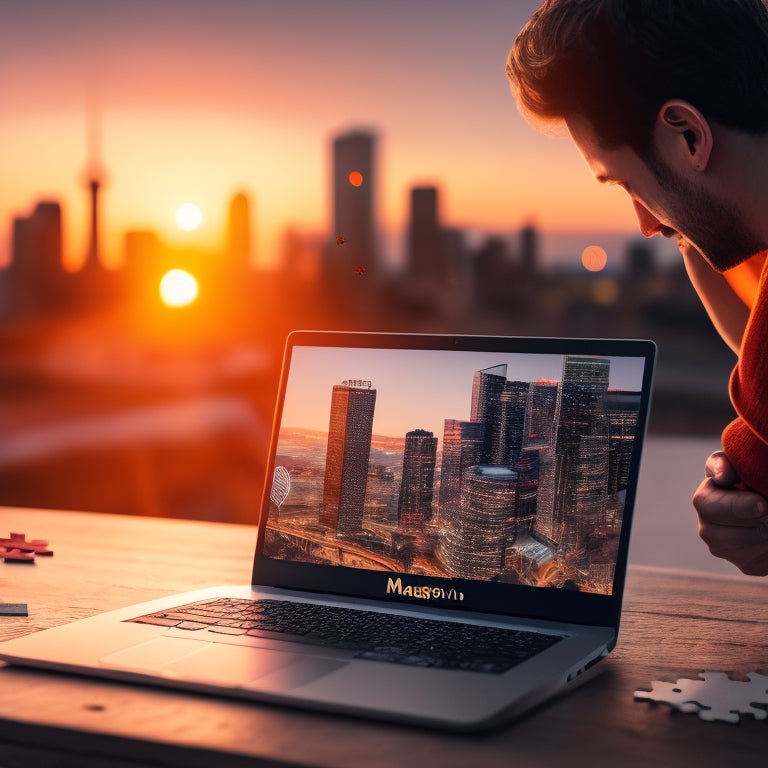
<point>616,62</point>
<point>645,87</point>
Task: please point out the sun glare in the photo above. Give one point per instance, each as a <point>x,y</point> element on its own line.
<point>178,288</point>
<point>188,217</point>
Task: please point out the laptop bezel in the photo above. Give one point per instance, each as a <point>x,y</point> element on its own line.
<point>488,597</point>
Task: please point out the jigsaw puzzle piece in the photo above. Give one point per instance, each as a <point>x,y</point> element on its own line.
<point>668,693</point>
<point>17,556</point>
<point>17,543</point>
<point>714,696</point>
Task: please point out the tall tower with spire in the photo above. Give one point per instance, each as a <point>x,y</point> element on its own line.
<point>94,285</point>
<point>94,174</point>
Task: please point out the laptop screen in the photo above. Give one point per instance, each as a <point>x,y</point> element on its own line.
<point>442,466</point>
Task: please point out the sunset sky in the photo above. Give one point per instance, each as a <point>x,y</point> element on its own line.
<point>197,100</point>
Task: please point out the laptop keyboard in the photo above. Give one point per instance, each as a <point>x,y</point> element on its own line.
<point>369,635</point>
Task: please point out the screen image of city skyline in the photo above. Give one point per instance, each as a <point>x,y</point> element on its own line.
<point>189,103</point>
<point>416,389</point>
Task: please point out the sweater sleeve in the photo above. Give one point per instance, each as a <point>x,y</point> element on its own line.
<point>745,440</point>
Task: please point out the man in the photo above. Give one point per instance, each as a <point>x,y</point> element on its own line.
<point>669,100</point>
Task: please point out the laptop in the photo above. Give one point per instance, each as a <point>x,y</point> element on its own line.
<point>442,539</point>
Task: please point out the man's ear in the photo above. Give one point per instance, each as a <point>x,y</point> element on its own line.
<point>683,134</point>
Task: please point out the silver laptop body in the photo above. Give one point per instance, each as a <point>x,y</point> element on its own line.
<point>442,540</point>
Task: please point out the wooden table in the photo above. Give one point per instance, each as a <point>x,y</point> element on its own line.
<point>675,624</point>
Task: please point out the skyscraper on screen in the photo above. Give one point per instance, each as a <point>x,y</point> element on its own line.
<point>349,445</point>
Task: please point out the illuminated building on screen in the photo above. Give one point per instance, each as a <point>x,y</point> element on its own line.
<point>541,414</point>
<point>487,386</point>
<point>462,448</point>
<point>512,404</point>
<point>349,445</point>
<point>622,409</point>
<point>527,468</point>
<point>581,423</point>
<point>414,507</point>
<point>474,546</point>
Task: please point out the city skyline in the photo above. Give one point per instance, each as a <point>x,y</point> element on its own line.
<point>503,500</point>
<point>315,370</point>
<point>171,104</point>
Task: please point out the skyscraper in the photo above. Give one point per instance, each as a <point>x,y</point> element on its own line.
<point>346,466</point>
<point>425,242</point>
<point>541,413</point>
<point>529,250</point>
<point>487,386</point>
<point>239,232</point>
<point>462,448</point>
<point>36,277</point>
<point>623,410</point>
<point>512,405</point>
<point>414,507</point>
<point>354,205</point>
<point>474,547</point>
<point>580,416</point>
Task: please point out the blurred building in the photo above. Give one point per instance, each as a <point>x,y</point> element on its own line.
<point>354,207</point>
<point>426,256</point>
<point>36,282</point>
<point>529,251</point>
<point>239,243</point>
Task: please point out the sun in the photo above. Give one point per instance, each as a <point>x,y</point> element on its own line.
<point>188,217</point>
<point>178,288</point>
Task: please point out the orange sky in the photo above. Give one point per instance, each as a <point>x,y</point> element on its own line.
<point>199,100</point>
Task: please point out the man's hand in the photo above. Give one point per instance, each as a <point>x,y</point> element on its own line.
<point>733,522</point>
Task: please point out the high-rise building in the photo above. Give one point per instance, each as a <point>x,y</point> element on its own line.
<point>541,413</point>
<point>474,546</point>
<point>346,466</point>
<point>426,258</point>
<point>623,411</point>
<point>529,251</point>
<point>512,405</point>
<point>527,468</point>
<point>580,416</point>
<point>354,206</point>
<point>414,507</point>
<point>462,448</point>
<point>36,279</point>
<point>487,386</point>
<point>239,232</point>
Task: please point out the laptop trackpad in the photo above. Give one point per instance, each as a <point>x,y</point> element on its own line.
<point>221,664</point>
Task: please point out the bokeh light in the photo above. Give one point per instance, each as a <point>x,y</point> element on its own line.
<point>605,291</point>
<point>355,178</point>
<point>188,217</point>
<point>178,288</point>
<point>594,258</point>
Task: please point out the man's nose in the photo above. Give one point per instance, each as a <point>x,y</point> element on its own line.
<point>649,224</point>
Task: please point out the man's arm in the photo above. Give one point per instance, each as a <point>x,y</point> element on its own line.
<point>725,309</point>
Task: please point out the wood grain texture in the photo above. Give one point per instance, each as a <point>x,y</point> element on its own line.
<point>675,624</point>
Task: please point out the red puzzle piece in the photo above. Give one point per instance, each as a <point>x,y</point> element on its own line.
<point>17,549</point>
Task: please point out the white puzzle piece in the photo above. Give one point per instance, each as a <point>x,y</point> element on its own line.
<point>714,696</point>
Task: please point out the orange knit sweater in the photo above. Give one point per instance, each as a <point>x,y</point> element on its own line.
<point>745,440</point>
